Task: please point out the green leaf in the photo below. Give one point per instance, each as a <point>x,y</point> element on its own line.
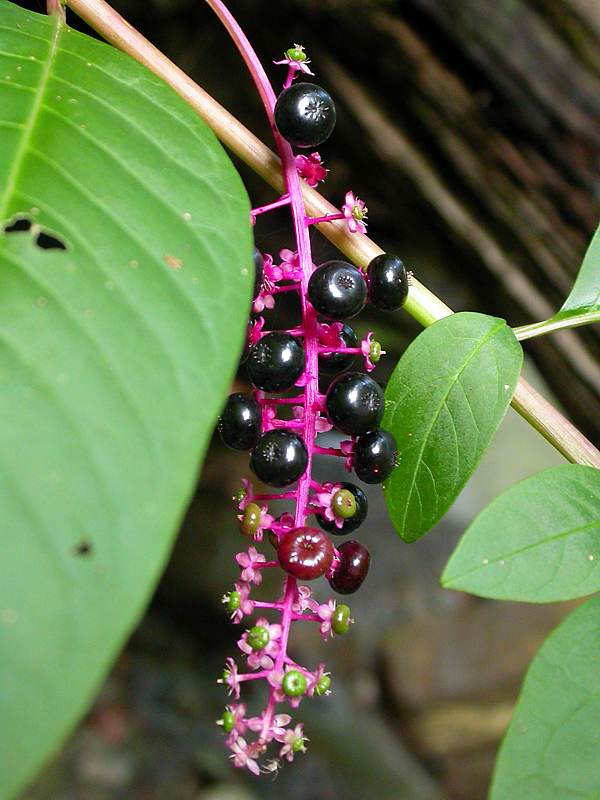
<point>539,541</point>
<point>550,751</point>
<point>444,402</point>
<point>585,294</point>
<point>115,356</point>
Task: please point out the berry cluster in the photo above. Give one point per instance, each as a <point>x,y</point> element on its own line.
<point>280,421</point>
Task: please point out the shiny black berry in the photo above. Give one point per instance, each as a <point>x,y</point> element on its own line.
<point>388,282</point>
<point>339,362</point>
<point>240,422</point>
<point>305,115</point>
<point>375,456</point>
<point>354,403</point>
<point>258,266</point>
<point>352,569</point>
<point>279,458</point>
<point>276,362</point>
<point>337,290</point>
<point>353,522</point>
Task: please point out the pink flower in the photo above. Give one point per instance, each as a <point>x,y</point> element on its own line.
<point>244,755</point>
<point>296,59</point>
<point>303,601</point>
<point>271,274</point>
<point>311,169</point>
<point>330,334</point>
<point>314,678</point>
<point>250,563</point>
<point>322,503</point>
<point>371,350</point>
<point>326,611</point>
<point>263,658</point>
<point>347,448</point>
<point>255,330</point>
<point>230,678</point>
<point>276,729</point>
<point>355,211</point>
<point>322,424</point>
<point>293,743</point>
<point>264,523</point>
<point>275,678</point>
<point>290,265</point>
<point>246,606</point>
<point>245,495</point>
<point>238,710</point>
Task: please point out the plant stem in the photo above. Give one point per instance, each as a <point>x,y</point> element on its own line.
<point>550,325</point>
<point>421,303</point>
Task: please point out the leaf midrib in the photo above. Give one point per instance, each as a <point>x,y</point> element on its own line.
<point>511,554</point>
<point>33,117</point>
<point>444,398</point>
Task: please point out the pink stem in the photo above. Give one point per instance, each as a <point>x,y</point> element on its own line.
<point>283,201</point>
<point>326,218</point>
<point>328,451</point>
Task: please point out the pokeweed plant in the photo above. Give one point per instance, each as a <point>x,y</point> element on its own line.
<point>150,233</point>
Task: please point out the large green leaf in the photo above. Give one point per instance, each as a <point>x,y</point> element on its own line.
<point>115,355</point>
<point>444,402</point>
<point>550,751</point>
<point>539,541</point>
<point>585,294</point>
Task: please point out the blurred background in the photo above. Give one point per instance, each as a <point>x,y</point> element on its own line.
<point>471,128</point>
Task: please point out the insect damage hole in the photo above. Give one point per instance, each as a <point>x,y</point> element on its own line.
<point>43,239</point>
<point>83,547</point>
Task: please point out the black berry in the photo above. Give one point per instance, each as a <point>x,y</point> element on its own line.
<point>258,266</point>
<point>240,422</point>
<point>352,569</point>
<point>388,282</point>
<point>276,362</point>
<point>279,458</point>
<point>305,115</point>
<point>354,403</point>
<point>337,290</point>
<point>353,522</point>
<point>305,553</point>
<point>375,456</point>
<point>339,362</point>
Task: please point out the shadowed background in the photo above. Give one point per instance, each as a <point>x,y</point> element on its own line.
<point>472,130</point>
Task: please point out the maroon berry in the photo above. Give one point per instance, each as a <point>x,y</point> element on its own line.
<point>352,569</point>
<point>306,553</point>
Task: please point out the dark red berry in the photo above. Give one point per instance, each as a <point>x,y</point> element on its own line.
<point>305,115</point>
<point>276,362</point>
<point>337,290</point>
<point>240,422</point>
<point>305,553</point>
<point>354,403</point>
<point>352,569</point>
<point>279,458</point>
<point>388,282</point>
<point>375,456</point>
<point>332,363</point>
<point>353,522</point>
<point>258,266</point>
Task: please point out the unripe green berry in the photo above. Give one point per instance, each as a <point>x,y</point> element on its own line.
<point>250,522</point>
<point>343,504</point>
<point>296,53</point>
<point>239,495</point>
<point>258,637</point>
<point>340,619</point>
<point>232,601</point>
<point>374,351</point>
<point>299,746</point>
<point>323,685</point>
<point>293,683</point>
<point>228,721</point>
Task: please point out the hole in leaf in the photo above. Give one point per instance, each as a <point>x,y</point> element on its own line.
<point>17,225</point>
<point>83,548</point>
<point>49,242</point>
